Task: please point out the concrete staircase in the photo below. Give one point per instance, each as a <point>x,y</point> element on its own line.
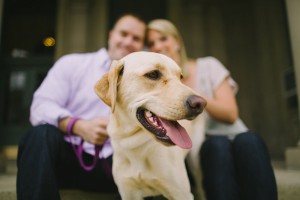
<point>288,182</point>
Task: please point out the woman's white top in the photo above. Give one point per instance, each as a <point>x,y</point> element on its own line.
<point>210,74</point>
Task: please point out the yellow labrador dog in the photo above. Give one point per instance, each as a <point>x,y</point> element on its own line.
<point>147,98</point>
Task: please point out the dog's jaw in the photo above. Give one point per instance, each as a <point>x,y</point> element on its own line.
<point>165,131</point>
<point>152,124</point>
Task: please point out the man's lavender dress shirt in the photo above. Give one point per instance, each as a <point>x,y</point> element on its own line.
<point>68,91</point>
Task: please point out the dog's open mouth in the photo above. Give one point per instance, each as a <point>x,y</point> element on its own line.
<point>166,131</point>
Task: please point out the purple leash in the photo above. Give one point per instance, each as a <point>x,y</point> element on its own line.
<point>78,152</point>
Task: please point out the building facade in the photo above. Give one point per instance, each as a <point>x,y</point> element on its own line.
<point>258,41</point>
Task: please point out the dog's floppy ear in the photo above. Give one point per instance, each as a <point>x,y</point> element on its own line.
<point>106,87</point>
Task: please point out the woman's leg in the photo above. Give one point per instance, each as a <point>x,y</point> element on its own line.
<point>253,167</point>
<point>217,162</point>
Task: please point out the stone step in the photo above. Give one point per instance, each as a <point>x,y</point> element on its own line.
<point>288,182</point>
<point>8,191</point>
<point>8,187</point>
<point>292,157</point>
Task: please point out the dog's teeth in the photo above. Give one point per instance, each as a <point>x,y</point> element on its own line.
<point>151,119</point>
<point>148,113</point>
<point>155,123</point>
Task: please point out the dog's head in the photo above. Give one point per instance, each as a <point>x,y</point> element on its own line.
<point>148,86</point>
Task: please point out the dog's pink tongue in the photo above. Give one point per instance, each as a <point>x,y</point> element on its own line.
<point>177,134</point>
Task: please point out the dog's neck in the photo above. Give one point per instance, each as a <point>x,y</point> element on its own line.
<point>126,131</point>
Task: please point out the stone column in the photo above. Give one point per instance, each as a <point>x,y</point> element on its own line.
<point>293,13</point>
<point>2,157</point>
<point>81,26</point>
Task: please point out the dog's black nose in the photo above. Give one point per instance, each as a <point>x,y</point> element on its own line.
<point>195,104</point>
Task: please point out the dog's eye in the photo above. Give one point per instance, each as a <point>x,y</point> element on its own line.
<point>154,75</point>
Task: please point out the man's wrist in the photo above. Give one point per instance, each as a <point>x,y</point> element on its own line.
<point>70,125</point>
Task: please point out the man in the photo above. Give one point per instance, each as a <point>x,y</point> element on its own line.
<point>66,103</point>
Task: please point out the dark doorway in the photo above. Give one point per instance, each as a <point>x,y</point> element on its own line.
<point>27,50</point>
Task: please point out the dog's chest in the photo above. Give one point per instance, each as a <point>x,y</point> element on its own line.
<point>148,184</point>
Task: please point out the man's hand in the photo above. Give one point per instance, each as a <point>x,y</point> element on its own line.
<point>93,131</point>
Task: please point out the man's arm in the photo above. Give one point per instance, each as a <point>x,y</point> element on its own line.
<point>93,131</point>
<point>50,99</point>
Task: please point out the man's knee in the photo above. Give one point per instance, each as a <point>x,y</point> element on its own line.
<point>45,131</point>
<point>41,134</point>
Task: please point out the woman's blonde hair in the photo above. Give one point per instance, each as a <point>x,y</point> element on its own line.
<point>168,28</point>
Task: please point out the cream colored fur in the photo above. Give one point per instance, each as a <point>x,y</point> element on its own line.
<point>143,166</point>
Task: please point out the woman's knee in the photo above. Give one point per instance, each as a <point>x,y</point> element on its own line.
<point>248,139</point>
<point>249,143</point>
<point>216,152</point>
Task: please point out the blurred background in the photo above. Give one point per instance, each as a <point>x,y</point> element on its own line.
<point>258,41</point>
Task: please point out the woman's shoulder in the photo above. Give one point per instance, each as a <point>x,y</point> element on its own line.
<point>208,60</point>
<point>211,69</point>
<point>210,63</point>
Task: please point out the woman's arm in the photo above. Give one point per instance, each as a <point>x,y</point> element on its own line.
<point>223,106</point>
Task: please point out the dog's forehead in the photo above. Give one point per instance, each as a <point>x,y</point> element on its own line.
<point>148,60</point>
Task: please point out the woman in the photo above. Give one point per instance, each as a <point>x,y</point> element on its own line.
<point>234,160</point>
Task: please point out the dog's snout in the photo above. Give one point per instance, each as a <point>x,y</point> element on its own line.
<point>195,104</point>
